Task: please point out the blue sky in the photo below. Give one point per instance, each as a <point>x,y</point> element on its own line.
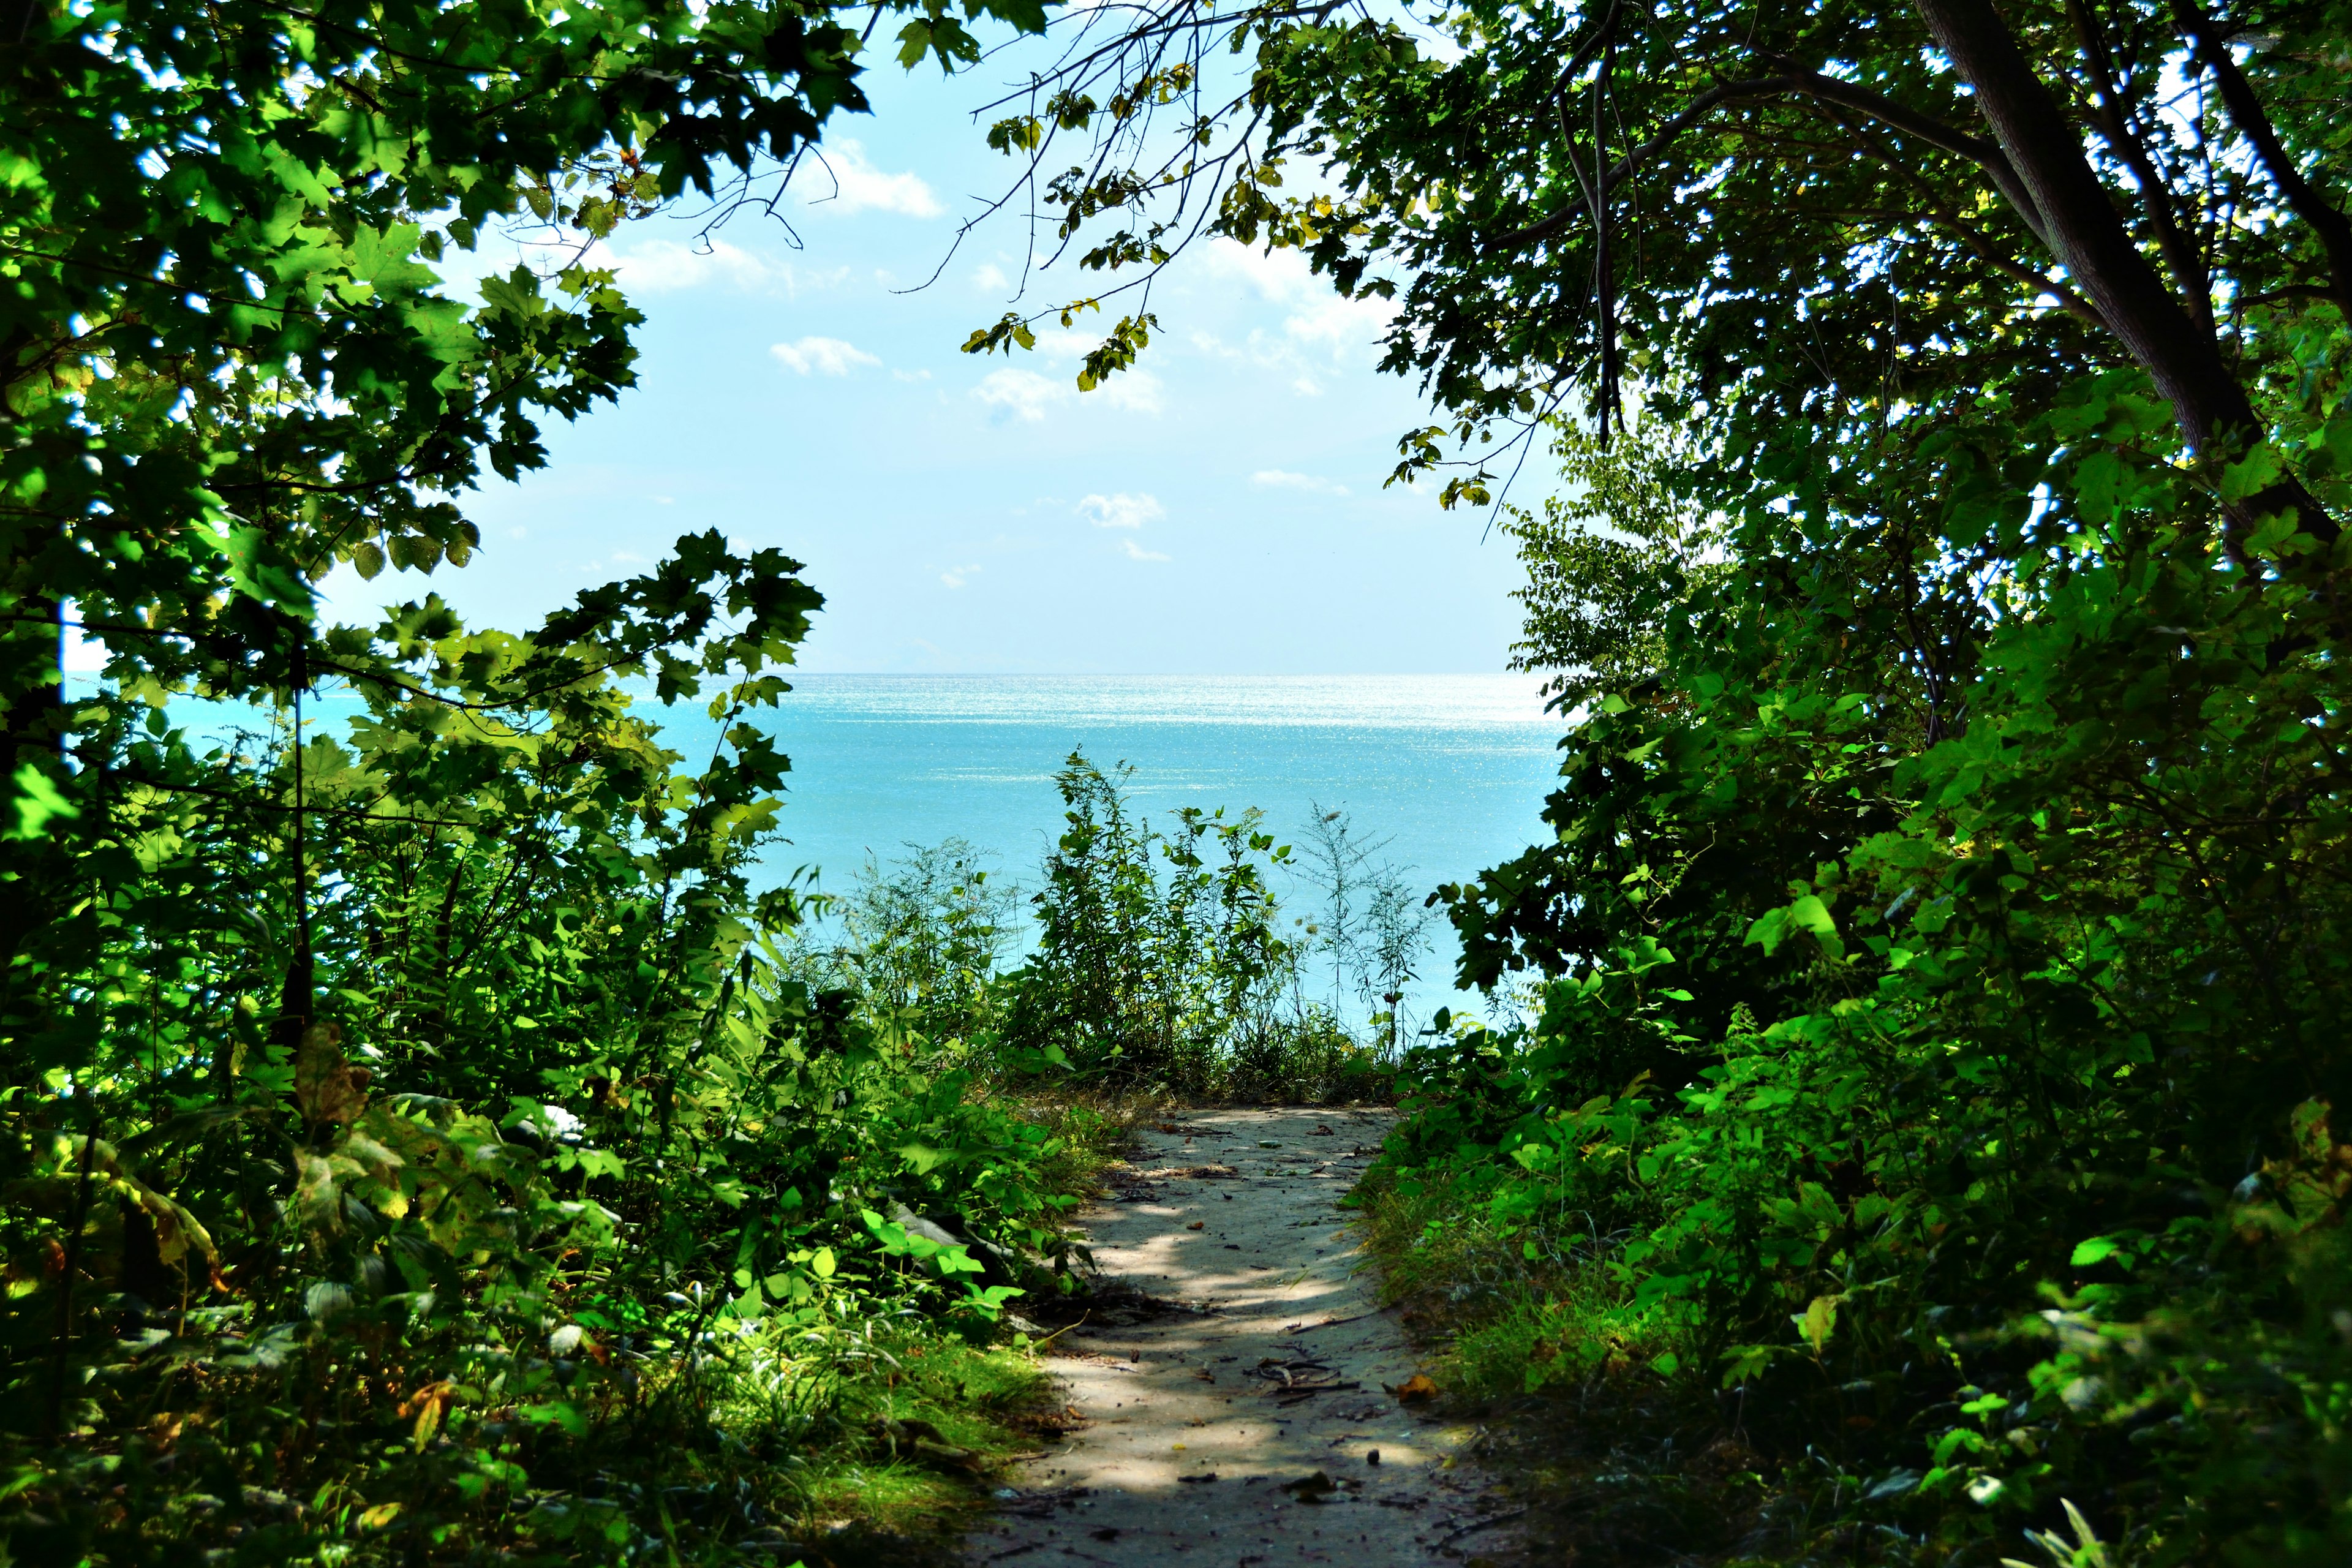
<point>1218,510</point>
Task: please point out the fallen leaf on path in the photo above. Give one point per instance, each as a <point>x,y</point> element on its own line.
<point>1196,1225</point>
<point>1413,1390</point>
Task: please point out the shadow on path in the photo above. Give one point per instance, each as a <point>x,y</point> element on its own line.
<point>1233,1410</point>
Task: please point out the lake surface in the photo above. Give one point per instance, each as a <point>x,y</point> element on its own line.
<point>1453,769</point>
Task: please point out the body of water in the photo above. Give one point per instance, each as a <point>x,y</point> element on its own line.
<point>1451,768</point>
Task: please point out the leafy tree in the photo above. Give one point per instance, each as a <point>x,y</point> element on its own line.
<point>1941,950</point>
<point>396,1100</point>
<point>1607,560</point>
<point>1144,974</point>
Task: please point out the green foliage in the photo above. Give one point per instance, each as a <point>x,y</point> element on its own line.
<point>407,1119</point>
<point>1961,1092</point>
<point>1144,974</point>
<point>1939,939</point>
<point>1606,561</point>
<point>561,1122</point>
<point>1371,923</point>
<point>926,935</point>
<point>1160,964</point>
<point>1156,967</point>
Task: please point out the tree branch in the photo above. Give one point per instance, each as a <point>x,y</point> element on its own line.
<point>2181,255</point>
<point>2246,113</point>
<point>2088,240</point>
<point>1801,82</point>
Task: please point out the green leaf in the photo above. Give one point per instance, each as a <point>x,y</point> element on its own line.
<point>36,803</point>
<point>922,1156</point>
<point>1818,1322</point>
<point>2099,1249</point>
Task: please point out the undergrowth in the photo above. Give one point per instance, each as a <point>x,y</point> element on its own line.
<point>1557,1366</point>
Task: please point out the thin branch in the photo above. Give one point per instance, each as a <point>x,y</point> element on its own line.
<point>2115,120</point>
<point>1808,84</point>
<point>2334,231</point>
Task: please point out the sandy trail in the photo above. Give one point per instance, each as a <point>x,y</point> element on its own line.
<point>1205,1424</point>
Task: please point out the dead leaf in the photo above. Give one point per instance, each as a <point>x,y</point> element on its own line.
<point>178,1233</point>
<point>1414,1390</point>
<point>427,1403</point>
<point>331,1092</point>
<point>1196,1225</point>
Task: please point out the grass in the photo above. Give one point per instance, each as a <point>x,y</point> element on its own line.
<point>1518,1310</point>
<point>915,1442</point>
<point>1617,1465</point>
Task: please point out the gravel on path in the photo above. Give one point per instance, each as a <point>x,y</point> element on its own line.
<point>1241,1409</point>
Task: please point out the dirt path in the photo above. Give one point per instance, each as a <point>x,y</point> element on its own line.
<point>1232,1413</point>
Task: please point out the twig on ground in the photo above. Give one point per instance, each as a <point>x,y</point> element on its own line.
<point>1058,1333</point>
<point>1479,1524</point>
<point>1332,1322</point>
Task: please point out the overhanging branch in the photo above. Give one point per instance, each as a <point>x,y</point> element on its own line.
<point>1801,82</point>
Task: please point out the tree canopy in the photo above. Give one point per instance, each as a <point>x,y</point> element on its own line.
<point>1935,960</point>
<point>1936,948</point>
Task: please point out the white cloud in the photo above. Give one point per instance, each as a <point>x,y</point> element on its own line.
<point>1281,276</point>
<point>1061,345</point>
<point>667,266</point>
<point>910,375</point>
<point>1121,510</point>
<point>824,357</point>
<point>1336,330</point>
<point>1282,479</point>
<point>991,278</point>
<point>955,577</point>
<point>1019,393</point>
<point>1137,552</point>
<point>1026,394</point>
<point>1135,391</point>
<point>840,179</point>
